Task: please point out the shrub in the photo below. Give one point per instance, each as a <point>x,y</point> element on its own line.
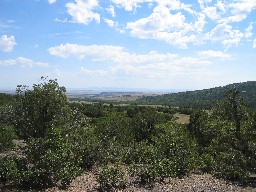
<point>42,117</point>
<point>144,173</point>
<point>7,134</point>
<point>12,169</point>
<point>51,160</point>
<point>138,153</point>
<point>175,145</point>
<point>230,165</point>
<point>166,168</point>
<point>172,153</point>
<point>110,177</point>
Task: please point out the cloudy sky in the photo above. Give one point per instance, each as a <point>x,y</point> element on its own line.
<point>155,44</point>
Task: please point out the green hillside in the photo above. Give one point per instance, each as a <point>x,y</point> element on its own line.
<point>5,98</point>
<point>203,98</point>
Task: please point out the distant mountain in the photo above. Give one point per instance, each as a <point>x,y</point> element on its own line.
<point>203,98</point>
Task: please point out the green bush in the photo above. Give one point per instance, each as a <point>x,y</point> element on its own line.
<point>230,165</point>
<point>166,168</point>
<point>225,158</point>
<point>42,117</point>
<point>110,177</point>
<point>52,160</point>
<point>172,153</point>
<point>138,153</point>
<point>207,162</point>
<point>12,169</point>
<point>175,144</point>
<point>144,173</point>
<point>89,147</point>
<point>7,134</point>
<point>147,174</point>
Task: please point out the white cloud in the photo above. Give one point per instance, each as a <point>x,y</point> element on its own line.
<point>220,32</point>
<point>118,60</point>
<point>23,62</point>
<point>61,21</point>
<point>227,35</point>
<point>110,22</point>
<point>254,44</point>
<point>121,30</point>
<point>223,11</point>
<point>129,5</point>
<point>248,31</point>
<point>162,25</point>
<point>234,18</point>
<point>211,12</point>
<point>215,54</point>
<point>98,52</point>
<point>200,23</point>
<point>111,10</point>
<point>94,73</point>
<point>115,54</point>
<point>242,6</point>
<point>231,42</point>
<point>179,24</point>
<point>172,21</point>
<point>7,43</point>
<point>82,11</point>
<point>52,1</point>
<point>221,6</point>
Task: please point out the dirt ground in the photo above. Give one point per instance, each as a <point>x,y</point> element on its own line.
<point>191,183</point>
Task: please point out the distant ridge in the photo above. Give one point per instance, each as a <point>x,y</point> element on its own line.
<point>203,98</point>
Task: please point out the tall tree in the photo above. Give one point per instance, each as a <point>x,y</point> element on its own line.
<point>231,108</point>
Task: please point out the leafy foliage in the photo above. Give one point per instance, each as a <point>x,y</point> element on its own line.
<point>7,134</point>
<point>226,147</point>
<point>11,169</point>
<point>39,109</point>
<point>42,117</point>
<point>110,177</point>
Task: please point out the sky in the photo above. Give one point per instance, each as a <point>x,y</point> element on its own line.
<point>151,44</point>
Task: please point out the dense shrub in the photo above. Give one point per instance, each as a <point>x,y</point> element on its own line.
<point>7,134</point>
<point>230,165</point>
<point>110,177</point>
<point>52,160</point>
<point>145,174</point>
<point>172,153</point>
<point>37,110</point>
<point>43,118</point>
<point>12,169</point>
<point>175,144</point>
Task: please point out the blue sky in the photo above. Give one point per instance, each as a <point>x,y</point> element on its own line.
<point>154,44</point>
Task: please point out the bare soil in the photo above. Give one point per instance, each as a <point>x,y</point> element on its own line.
<point>190,183</point>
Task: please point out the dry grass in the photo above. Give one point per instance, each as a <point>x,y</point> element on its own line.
<point>181,118</point>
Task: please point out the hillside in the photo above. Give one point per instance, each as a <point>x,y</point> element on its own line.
<point>203,98</point>
<point>5,98</point>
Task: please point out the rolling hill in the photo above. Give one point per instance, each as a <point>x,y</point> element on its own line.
<point>203,98</point>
